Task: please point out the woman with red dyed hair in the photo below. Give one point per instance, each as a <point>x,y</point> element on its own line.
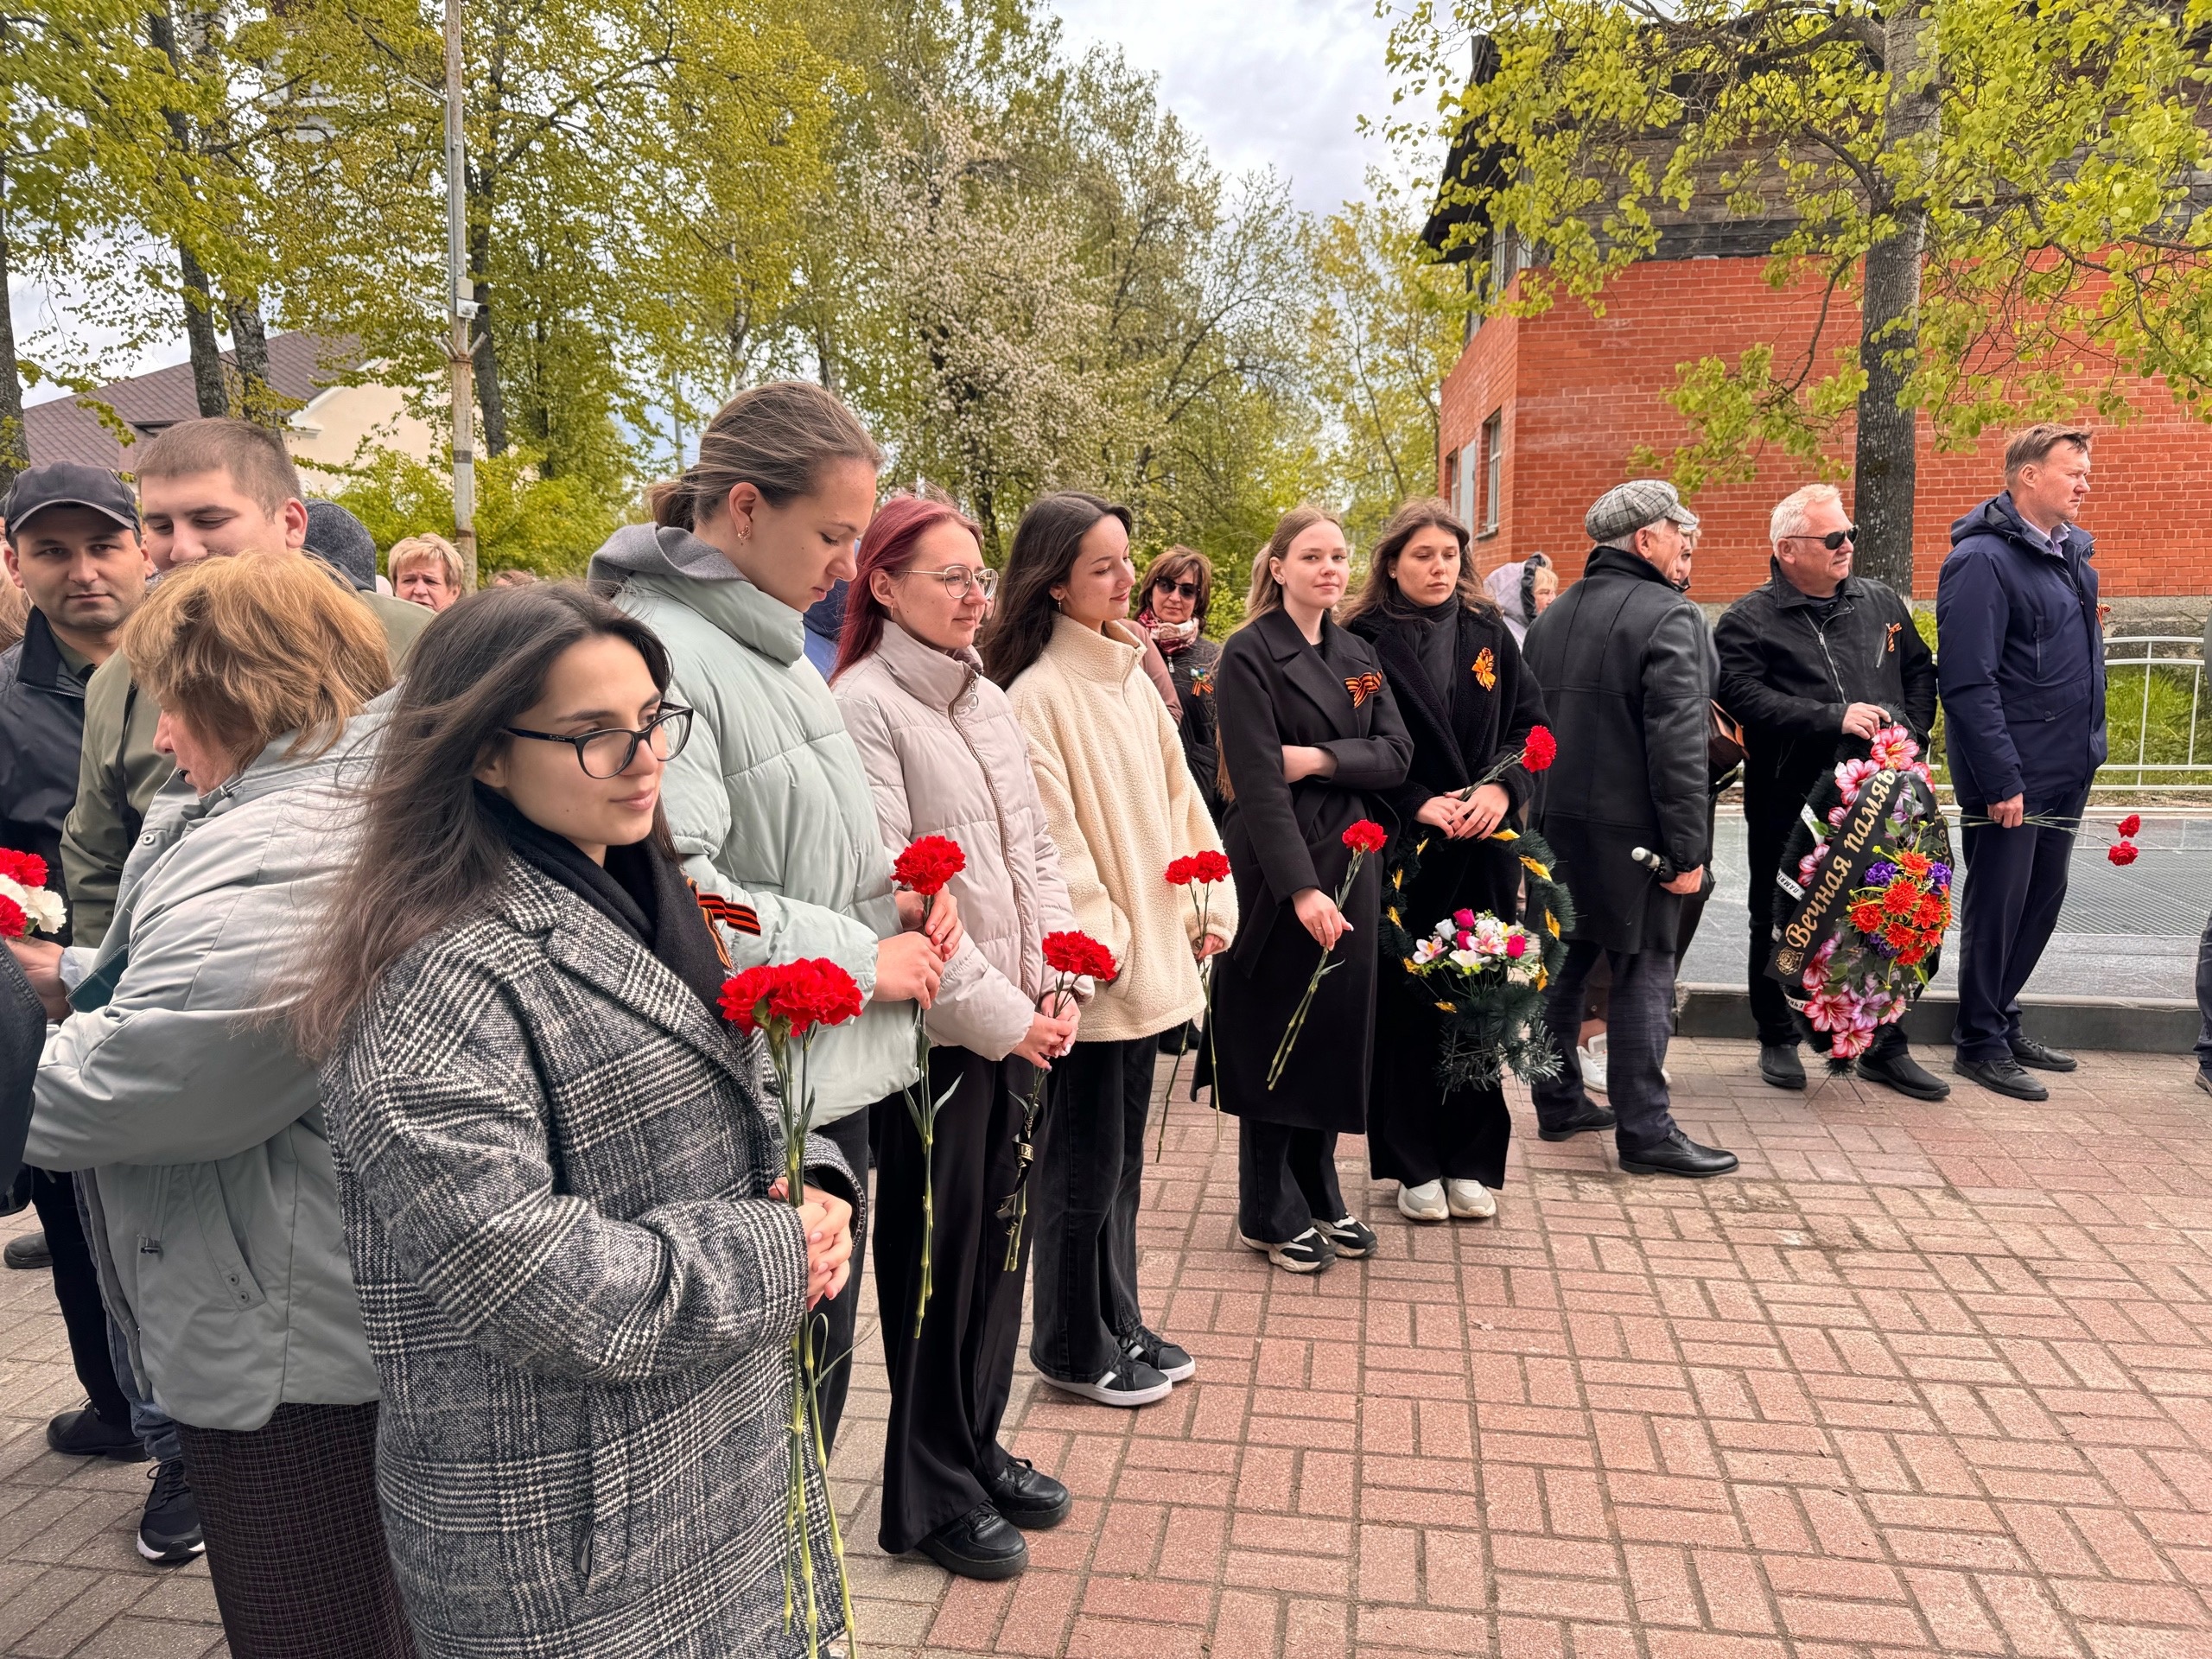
<point>947,757</point>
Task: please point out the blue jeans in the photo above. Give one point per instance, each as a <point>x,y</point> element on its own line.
<point>1639,1019</point>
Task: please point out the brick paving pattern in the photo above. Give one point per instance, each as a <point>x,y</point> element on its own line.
<point>1920,1379</point>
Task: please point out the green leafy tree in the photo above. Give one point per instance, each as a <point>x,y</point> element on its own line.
<point>2011,195</point>
<point>525,520</point>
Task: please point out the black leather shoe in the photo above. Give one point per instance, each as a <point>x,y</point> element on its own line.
<point>86,1434</point>
<point>28,1250</point>
<point>2002,1077</point>
<point>1030,1500</point>
<point>1678,1155</point>
<point>1590,1116</point>
<point>1904,1074</point>
<point>2042,1056</point>
<point>979,1545</point>
<point>1779,1066</point>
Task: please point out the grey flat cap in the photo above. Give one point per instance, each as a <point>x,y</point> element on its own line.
<point>343,543</point>
<point>1627,508</point>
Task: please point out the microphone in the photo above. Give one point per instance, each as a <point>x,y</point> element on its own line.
<point>1655,863</point>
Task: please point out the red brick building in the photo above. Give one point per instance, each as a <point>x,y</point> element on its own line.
<point>1540,416</point>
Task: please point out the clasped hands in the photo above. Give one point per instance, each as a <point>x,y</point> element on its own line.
<point>829,1222</point>
<point>1470,819</point>
<point>909,964</point>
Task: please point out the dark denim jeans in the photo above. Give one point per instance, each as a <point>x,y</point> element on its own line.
<point>1083,1204</point>
<point>1639,1019</point>
<point>2204,1000</point>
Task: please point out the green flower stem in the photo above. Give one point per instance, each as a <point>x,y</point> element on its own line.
<point>1321,970</point>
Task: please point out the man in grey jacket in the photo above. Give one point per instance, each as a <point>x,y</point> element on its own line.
<point>1628,669</point>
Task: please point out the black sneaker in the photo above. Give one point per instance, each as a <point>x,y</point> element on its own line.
<point>1309,1252</point>
<point>168,1532</point>
<point>1348,1235</point>
<point>979,1545</point>
<point>87,1434</point>
<point>1899,1071</point>
<point>1030,1500</point>
<point>1131,1382</point>
<point>2002,1076</point>
<point>1172,1361</point>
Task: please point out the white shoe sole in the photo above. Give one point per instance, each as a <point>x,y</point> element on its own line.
<point>1274,1254</point>
<point>1099,1395</point>
<point>1441,1213</point>
<point>1182,1373</point>
<point>169,1557</point>
<point>1459,1212</point>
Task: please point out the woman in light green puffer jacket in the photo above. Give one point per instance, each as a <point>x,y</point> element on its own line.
<point>769,804</point>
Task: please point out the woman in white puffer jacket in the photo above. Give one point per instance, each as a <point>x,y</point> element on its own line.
<point>945,756</point>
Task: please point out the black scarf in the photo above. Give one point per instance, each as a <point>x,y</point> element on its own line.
<point>641,889</point>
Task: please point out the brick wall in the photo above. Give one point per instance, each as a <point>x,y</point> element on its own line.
<point>1579,392</point>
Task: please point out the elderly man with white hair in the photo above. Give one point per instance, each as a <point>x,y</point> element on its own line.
<point>1813,662</point>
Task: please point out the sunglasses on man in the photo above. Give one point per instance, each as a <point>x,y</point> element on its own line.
<point>1834,538</point>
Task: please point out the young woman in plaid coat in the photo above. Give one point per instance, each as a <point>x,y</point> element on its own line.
<point>579,1281</point>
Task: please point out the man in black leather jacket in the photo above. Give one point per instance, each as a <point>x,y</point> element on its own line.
<point>1627,668</point>
<point>1813,663</point>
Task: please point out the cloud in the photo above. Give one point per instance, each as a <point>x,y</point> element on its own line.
<point>1281,85</point>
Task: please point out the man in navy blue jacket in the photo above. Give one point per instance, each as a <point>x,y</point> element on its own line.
<point>2020,661</point>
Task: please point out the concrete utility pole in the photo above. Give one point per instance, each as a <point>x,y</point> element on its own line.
<point>463,309</point>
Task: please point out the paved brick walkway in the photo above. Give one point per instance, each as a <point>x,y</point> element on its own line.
<point>1922,1379</point>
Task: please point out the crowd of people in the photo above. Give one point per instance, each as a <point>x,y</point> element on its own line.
<point>424,1220</point>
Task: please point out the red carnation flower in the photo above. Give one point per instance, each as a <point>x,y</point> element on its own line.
<point>1866,917</point>
<point>2122,853</point>
<point>1366,837</point>
<point>2131,826</point>
<point>928,864</point>
<point>1212,867</point>
<point>1079,954</point>
<point>26,867</point>
<point>1540,749</point>
<point>13,922</point>
<point>812,992</point>
<point>1181,872</point>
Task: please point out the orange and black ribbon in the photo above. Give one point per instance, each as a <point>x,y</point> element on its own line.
<point>1363,687</point>
<point>739,919</point>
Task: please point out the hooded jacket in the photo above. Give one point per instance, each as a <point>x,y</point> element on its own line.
<point>215,1203</point>
<point>947,757</point>
<point>41,730</point>
<point>2020,661</point>
<point>769,803</point>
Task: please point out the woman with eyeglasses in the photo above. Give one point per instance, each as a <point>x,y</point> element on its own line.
<point>1171,607</point>
<point>561,1184</point>
<point>769,805</point>
<point>947,758</point>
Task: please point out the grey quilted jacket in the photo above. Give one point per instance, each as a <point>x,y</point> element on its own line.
<point>580,1299</point>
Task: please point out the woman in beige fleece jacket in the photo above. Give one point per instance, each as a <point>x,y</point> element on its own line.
<point>1121,805</point>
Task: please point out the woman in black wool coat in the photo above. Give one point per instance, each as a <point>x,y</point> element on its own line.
<point>1310,738</point>
<point>1468,701</point>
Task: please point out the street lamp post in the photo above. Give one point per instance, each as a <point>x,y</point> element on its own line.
<point>462,307</point>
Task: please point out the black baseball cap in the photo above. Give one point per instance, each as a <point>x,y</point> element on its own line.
<point>66,484</point>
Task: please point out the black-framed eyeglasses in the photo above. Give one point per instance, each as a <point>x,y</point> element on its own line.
<point>959,579</point>
<point>608,753</point>
<point>1834,538</point>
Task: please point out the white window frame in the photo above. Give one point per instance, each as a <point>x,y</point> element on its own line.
<point>1493,460</point>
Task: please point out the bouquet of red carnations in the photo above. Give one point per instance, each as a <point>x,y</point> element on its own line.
<point>1071,957</point>
<point>26,904</point>
<point>1866,882</point>
<point>1197,874</point>
<point>1365,837</point>
<point>786,1003</point>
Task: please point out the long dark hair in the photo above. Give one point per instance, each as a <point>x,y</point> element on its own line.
<point>428,856</point>
<point>1046,543</point>
<point>889,543</point>
<point>1381,588</point>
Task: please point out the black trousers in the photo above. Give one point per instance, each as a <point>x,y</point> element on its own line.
<point>1639,1019</point>
<point>1286,1180</point>
<point>1768,817</point>
<point>2204,1001</point>
<point>834,1321</point>
<point>1083,1208</point>
<point>949,1386</point>
<point>2015,886</point>
<point>295,1544</point>
<point>77,1287</point>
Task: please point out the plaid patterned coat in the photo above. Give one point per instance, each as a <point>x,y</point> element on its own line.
<point>554,1165</point>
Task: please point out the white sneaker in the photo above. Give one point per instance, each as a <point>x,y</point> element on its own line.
<point>1423,1203</point>
<point>1471,1200</point>
<point>1592,1056</point>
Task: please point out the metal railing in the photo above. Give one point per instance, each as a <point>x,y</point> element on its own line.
<point>2149,680</point>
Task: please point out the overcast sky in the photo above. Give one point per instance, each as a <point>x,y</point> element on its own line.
<point>1279,83</point>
